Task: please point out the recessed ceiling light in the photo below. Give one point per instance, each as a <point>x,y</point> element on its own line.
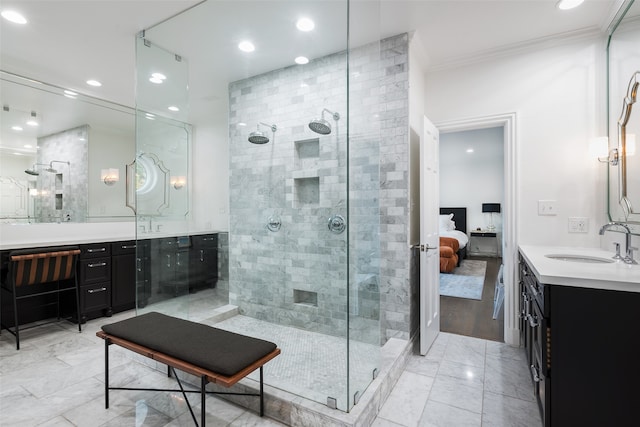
<point>246,46</point>
<point>568,4</point>
<point>28,146</point>
<point>305,24</point>
<point>173,108</point>
<point>302,60</point>
<point>17,128</point>
<point>94,83</point>
<point>13,16</point>
<point>32,123</point>
<point>469,150</point>
<point>69,96</point>
<point>242,124</point>
<point>70,92</point>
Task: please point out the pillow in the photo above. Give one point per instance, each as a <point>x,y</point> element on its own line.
<point>446,223</point>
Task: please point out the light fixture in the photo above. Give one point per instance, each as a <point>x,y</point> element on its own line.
<point>94,83</point>
<point>246,46</point>
<point>178,182</point>
<point>173,108</point>
<point>301,60</point>
<point>70,93</point>
<point>491,208</point>
<point>469,150</point>
<point>13,16</point>
<point>305,24</point>
<point>568,4</point>
<point>599,148</point>
<point>110,176</point>
<point>17,128</point>
<point>157,78</point>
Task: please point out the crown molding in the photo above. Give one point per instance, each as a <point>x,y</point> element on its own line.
<point>517,48</point>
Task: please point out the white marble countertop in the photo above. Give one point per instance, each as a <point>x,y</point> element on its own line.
<point>40,235</point>
<point>614,276</point>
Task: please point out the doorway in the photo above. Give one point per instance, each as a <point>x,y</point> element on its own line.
<point>505,261</point>
<point>472,177</point>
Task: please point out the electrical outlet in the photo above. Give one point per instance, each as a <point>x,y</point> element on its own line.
<point>546,207</point>
<point>578,224</point>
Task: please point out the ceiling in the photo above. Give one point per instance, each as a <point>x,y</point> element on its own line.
<point>67,42</point>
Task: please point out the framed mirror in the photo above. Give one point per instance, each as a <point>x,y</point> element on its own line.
<point>623,65</point>
<point>46,128</point>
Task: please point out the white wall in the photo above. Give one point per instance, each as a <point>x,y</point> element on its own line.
<point>555,94</point>
<point>471,179</point>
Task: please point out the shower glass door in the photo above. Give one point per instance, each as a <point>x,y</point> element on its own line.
<point>275,95</point>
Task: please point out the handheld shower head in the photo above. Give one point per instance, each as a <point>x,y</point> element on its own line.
<point>322,126</point>
<point>258,137</point>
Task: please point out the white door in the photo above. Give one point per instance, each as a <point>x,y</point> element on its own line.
<point>429,238</point>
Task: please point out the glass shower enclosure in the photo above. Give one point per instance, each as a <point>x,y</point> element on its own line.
<point>296,113</point>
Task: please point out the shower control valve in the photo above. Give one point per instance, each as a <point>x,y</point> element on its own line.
<point>274,223</point>
<point>337,224</point>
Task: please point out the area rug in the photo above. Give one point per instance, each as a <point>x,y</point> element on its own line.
<point>466,281</point>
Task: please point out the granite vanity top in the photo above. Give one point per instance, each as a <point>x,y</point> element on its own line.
<point>614,276</point>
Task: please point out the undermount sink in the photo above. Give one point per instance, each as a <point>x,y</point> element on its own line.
<point>580,258</point>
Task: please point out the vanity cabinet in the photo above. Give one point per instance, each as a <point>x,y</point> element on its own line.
<point>94,280</point>
<point>582,346</point>
<point>203,261</point>
<point>123,275</point>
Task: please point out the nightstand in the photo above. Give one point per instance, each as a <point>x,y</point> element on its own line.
<point>478,247</point>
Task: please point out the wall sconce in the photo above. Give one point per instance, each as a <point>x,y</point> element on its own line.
<point>178,182</point>
<point>599,148</point>
<point>110,176</point>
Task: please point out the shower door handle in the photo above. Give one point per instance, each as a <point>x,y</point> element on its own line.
<point>337,224</point>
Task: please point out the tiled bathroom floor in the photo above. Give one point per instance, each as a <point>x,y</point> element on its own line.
<point>56,379</point>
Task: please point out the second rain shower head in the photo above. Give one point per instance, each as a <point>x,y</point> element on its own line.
<point>33,171</point>
<point>259,137</point>
<point>322,126</point>
<point>51,169</point>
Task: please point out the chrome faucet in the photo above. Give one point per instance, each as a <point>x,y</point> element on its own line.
<point>628,259</point>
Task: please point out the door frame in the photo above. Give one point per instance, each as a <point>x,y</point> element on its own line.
<point>510,214</point>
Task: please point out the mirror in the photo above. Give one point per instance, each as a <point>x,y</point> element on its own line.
<point>628,128</point>
<point>624,114</point>
<point>55,146</point>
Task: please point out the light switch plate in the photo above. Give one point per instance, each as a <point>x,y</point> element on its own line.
<point>546,207</point>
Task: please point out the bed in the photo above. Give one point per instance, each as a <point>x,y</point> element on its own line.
<point>453,225</point>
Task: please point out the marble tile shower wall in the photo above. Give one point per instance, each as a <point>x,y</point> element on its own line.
<point>297,275</point>
<point>67,192</point>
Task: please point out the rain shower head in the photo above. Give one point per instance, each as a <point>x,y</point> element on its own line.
<point>322,126</point>
<point>51,169</point>
<point>33,170</point>
<point>258,137</point>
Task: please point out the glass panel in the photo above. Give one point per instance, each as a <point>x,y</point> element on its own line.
<point>158,183</point>
<point>366,109</point>
<point>302,272</point>
<point>624,61</point>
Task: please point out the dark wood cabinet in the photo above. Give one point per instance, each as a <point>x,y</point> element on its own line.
<point>203,261</point>
<point>582,345</point>
<point>123,275</point>
<point>94,280</point>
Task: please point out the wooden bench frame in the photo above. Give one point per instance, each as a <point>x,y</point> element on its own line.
<point>173,363</point>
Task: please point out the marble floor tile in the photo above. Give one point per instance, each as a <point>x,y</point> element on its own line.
<point>465,350</point>
<point>505,411</point>
<point>457,392</point>
<point>423,366</point>
<point>407,399</point>
<point>438,414</point>
<point>509,377</point>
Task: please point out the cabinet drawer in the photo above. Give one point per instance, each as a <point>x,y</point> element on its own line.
<point>95,297</point>
<point>95,270</point>
<point>123,248</point>
<point>94,250</point>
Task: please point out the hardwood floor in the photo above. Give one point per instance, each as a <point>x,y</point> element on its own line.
<point>473,318</point>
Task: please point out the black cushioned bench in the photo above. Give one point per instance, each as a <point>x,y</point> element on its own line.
<point>214,355</point>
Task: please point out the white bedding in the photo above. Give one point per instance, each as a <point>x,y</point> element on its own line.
<point>463,239</point>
